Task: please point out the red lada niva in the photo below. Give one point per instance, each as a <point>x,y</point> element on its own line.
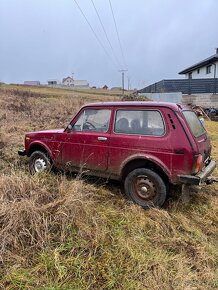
<point>147,145</point>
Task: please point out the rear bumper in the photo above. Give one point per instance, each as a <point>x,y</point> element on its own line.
<point>21,152</point>
<point>200,177</point>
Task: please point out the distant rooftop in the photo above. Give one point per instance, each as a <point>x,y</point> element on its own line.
<point>32,83</point>
<point>207,61</point>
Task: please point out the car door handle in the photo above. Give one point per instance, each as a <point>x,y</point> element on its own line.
<point>102,138</point>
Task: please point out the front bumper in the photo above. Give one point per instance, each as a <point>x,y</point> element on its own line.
<point>200,177</point>
<point>21,152</point>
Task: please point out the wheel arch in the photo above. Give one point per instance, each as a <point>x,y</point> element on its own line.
<point>142,162</point>
<point>39,147</point>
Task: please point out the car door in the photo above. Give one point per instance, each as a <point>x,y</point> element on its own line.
<point>86,145</point>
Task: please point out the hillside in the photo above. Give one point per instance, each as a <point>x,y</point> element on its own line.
<point>65,232</point>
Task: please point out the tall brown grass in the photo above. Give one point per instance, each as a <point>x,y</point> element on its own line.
<point>63,232</point>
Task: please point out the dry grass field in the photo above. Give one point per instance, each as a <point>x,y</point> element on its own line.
<point>62,232</point>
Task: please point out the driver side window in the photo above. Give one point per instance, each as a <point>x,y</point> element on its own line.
<point>93,120</point>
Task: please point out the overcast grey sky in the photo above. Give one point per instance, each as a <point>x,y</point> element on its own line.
<point>45,39</point>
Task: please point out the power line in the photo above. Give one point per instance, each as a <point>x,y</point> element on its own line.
<point>95,34</point>
<point>102,25</point>
<point>112,11</point>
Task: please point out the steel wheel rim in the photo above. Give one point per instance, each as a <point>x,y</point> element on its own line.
<point>39,165</point>
<point>144,188</point>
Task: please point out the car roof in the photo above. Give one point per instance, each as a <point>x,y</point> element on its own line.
<point>172,106</point>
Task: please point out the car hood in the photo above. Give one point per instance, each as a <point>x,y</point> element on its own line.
<point>46,132</point>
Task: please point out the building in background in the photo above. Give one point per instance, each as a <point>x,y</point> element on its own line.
<point>205,69</point>
<point>71,82</point>
<point>54,82</point>
<point>81,84</point>
<point>68,81</point>
<point>200,85</point>
<point>116,89</point>
<point>32,83</point>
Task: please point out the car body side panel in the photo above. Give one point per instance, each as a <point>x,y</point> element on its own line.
<point>172,152</point>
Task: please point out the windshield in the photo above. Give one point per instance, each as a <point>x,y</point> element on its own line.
<point>194,123</point>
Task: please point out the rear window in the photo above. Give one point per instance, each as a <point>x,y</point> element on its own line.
<point>194,123</point>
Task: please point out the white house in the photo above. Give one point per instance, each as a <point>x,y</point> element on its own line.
<point>205,69</point>
<point>68,81</point>
<point>199,87</point>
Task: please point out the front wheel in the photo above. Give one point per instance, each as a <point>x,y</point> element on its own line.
<point>39,162</point>
<point>145,188</point>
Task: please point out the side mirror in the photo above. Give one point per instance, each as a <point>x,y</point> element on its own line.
<point>70,127</point>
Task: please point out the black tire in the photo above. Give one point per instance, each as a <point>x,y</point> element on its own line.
<point>43,161</point>
<point>145,188</point>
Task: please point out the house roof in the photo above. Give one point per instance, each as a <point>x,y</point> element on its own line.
<point>31,82</point>
<point>64,79</point>
<point>207,61</point>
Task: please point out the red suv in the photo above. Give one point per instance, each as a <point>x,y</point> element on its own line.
<point>147,145</point>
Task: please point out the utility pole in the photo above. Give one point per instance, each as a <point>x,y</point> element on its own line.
<point>129,83</point>
<point>123,71</point>
<point>214,77</point>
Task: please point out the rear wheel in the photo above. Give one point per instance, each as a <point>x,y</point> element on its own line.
<point>39,162</point>
<point>146,188</point>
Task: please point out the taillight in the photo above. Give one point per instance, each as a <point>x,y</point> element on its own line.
<point>198,163</point>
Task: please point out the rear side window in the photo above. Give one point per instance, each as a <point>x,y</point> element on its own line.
<point>194,123</point>
<point>140,122</point>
